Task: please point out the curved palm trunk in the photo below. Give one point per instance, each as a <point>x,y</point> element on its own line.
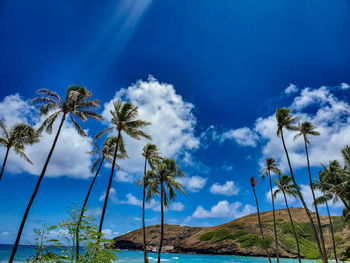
<point>162,219</point>
<point>109,184</point>
<point>260,225</point>
<point>83,208</point>
<point>293,227</point>
<point>332,233</point>
<point>274,219</point>
<point>314,199</point>
<point>324,259</point>
<point>14,250</point>
<point>143,214</point>
<point>3,165</point>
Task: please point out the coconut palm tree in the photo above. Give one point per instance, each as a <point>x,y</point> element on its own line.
<point>253,183</point>
<point>336,180</point>
<point>285,187</point>
<point>17,137</point>
<point>266,172</point>
<point>305,130</point>
<point>123,120</point>
<point>285,120</point>
<point>102,154</point>
<point>151,154</point>
<point>75,104</point>
<point>166,172</point>
<point>323,186</point>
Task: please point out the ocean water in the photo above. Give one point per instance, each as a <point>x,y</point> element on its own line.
<point>124,256</point>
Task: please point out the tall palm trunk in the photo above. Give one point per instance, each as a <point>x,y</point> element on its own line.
<point>143,214</point>
<point>324,259</point>
<point>332,233</point>
<point>274,218</point>
<point>14,250</point>
<point>84,207</point>
<point>293,227</point>
<point>109,184</point>
<point>162,219</point>
<point>260,225</point>
<point>314,199</point>
<point>3,165</point>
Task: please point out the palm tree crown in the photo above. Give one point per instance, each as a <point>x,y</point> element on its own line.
<point>305,129</point>
<point>285,120</point>
<point>285,185</point>
<point>75,104</point>
<point>271,165</point>
<point>17,137</point>
<point>124,119</point>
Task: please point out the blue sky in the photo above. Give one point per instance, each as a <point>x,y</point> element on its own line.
<point>219,72</point>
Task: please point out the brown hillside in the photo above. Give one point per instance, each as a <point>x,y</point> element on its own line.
<point>241,236</point>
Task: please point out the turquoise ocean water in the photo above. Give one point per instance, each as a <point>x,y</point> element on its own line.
<point>137,257</point>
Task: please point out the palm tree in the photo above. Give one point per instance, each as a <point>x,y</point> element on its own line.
<point>285,120</point>
<point>151,154</point>
<point>253,183</point>
<point>17,137</point>
<point>346,155</point>
<point>101,154</point>
<point>123,120</point>
<point>272,166</point>
<point>75,104</point>
<point>166,172</point>
<point>323,186</point>
<point>336,180</point>
<point>306,129</point>
<point>285,187</point>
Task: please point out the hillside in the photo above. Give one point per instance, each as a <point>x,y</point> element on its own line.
<point>241,236</point>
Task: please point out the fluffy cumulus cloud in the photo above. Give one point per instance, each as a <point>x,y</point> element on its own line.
<point>173,122</point>
<point>344,85</point>
<point>229,188</point>
<point>130,199</point>
<point>193,183</point>
<point>291,89</point>
<point>64,162</point>
<point>329,113</point>
<point>243,136</point>
<point>224,209</point>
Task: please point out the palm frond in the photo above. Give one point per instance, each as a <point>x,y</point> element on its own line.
<point>48,122</point>
<point>20,152</point>
<point>4,130</point>
<point>103,132</point>
<point>49,93</point>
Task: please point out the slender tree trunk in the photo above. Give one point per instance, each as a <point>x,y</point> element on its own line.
<point>314,199</point>
<point>143,214</point>
<point>260,225</point>
<point>162,219</point>
<point>293,227</point>
<point>109,184</point>
<point>274,218</point>
<point>3,165</point>
<point>35,192</point>
<point>84,207</point>
<point>324,259</point>
<point>332,232</point>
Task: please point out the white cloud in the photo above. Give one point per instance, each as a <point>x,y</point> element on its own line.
<point>311,96</point>
<point>224,209</point>
<point>109,234</point>
<point>172,120</point>
<point>64,162</point>
<point>133,200</point>
<point>344,85</point>
<point>112,196</point>
<point>229,188</point>
<point>243,136</point>
<point>291,89</point>
<point>193,183</point>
